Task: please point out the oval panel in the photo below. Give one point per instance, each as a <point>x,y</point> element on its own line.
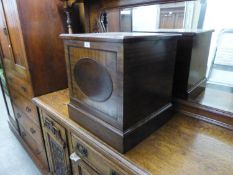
<point>93,79</point>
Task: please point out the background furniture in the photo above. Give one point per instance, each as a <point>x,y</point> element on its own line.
<point>191,61</point>
<point>33,58</point>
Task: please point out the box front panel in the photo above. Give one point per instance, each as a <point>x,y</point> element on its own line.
<point>94,80</point>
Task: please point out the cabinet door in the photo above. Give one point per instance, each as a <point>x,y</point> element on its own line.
<point>15,32</point>
<point>56,146</point>
<point>4,37</point>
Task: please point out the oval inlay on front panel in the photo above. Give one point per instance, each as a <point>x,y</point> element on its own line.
<point>93,79</point>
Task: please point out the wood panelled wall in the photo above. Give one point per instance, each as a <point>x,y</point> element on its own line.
<point>42,22</point>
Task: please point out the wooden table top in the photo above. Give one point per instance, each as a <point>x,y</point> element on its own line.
<point>183,146</point>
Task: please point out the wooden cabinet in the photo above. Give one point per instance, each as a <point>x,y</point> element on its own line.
<point>118,80</point>
<point>34,63</point>
<point>191,61</point>
<point>56,145</point>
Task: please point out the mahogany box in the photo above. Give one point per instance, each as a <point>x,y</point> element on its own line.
<point>120,84</point>
<point>191,61</point>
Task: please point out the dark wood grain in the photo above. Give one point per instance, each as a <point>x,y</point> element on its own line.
<point>41,23</point>
<point>130,78</point>
<point>191,61</point>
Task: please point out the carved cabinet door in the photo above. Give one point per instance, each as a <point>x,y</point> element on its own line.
<point>56,146</point>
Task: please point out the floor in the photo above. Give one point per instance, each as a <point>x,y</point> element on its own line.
<point>13,158</point>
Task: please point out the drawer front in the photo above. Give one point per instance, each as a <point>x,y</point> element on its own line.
<point>91,157</point>
<point>37,149</point>
<point>56,146</point>
<point>83,169</point>
<point>20,85</point>
<point>26,106</point>
<point>29,126</point>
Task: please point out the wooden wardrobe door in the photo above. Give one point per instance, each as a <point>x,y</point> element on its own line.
<point>15,32</point>
<point>4,36</point>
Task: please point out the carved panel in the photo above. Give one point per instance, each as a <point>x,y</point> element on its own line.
<point>56,146</point>
<point>58,155</point>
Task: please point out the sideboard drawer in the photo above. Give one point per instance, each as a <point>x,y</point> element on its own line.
<point>37,148</point>
<point>83,169</point>
<point>26,106</point>
<point>92,158</point>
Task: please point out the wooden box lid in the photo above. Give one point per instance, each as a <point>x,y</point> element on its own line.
<point>117,37</point>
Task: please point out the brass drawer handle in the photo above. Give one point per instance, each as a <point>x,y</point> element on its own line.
<point>37,152</point>
<point>28,109</point>
<point>5,31</point>
<point>24,89</point>
<point>10,79</point>
<point>81,150</point>
<point>33,131</point>
<point>18,115</point>
<point>23,134</point>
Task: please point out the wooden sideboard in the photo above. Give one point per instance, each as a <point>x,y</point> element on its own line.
<point>184,145</point>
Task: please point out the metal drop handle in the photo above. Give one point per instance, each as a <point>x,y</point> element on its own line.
<point>28,109</point>
<point>33,131</point>
<point>18,115</point>
<point>5,31</point>
<point>24,89</point>
<point>74,157</point>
